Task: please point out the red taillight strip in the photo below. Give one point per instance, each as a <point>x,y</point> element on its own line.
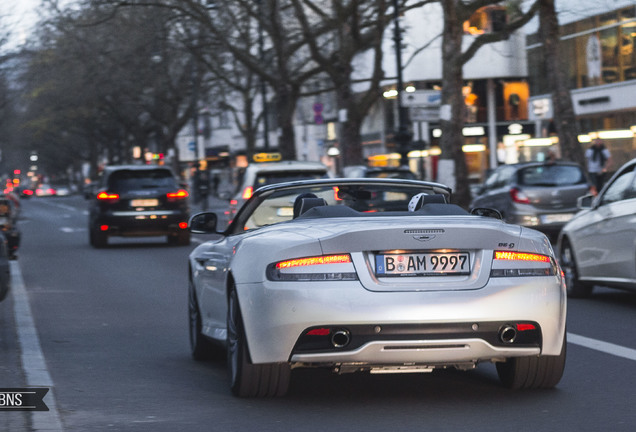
<point>181,193</point>
<point>521,256</point>
<point>316,260</point>
<point>526,327</point>
<point>107,196</point>
<point>247,193</point>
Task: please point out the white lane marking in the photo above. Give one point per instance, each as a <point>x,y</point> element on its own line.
<point>33,362</point>
<point>71,230</point>
<point>606,347</point>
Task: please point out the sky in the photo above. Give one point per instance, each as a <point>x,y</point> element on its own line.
<point>21,16</point>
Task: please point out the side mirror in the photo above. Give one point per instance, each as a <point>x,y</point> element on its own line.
<point>585,202</point>
<point>203,223</point>
<point>486,212</point>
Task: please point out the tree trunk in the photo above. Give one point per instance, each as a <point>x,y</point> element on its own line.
<point>286,99</point>
<point>452,164</point>
<point>564,118</point>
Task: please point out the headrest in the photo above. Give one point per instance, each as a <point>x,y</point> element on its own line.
<point>418,201</point>
<point>306,201</point>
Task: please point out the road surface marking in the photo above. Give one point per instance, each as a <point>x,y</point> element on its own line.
<point>33,362</point>
<point>606,347</point>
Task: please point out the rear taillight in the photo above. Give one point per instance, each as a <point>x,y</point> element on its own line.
<point>247,193</point>
<point>314,268</point>
<point>517,264</point>
<point>521,256</point>
<point>107,196</point>
<point>519,196</point>
<point>178,195</point>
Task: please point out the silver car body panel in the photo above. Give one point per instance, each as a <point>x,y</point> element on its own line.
<point>275,313</point>
<point>603,237</point>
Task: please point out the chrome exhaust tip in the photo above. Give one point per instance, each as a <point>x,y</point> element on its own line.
<point>508,334</point>
<point>340,338</point>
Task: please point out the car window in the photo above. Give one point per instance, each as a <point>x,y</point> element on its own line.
<point>125,180</point>
<point>278,207</point>
<point>551,175</point>
<point>391,174</point>
<point>267,178</point>
<point>499,178</point>
<point>622,187</point>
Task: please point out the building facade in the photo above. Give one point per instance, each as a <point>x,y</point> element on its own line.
<point>598,54</point>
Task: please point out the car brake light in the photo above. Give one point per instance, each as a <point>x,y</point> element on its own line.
<point>178,195</point>
<point>521,256</point>
<point>183,225</point>
<point>322,259</point>
<point>247,193</point>
<point>337,267</point>
<point>105,196</point>
<point>519,196</point>
<point>336,190</point>
<point>517,264</point>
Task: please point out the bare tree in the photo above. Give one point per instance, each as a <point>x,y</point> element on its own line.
<point>336,35</point>
<point>564,118</point>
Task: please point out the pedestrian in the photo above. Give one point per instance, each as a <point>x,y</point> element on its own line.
<point>598,159</point>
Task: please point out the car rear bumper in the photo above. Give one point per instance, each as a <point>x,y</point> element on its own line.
<point>276,315</point>
<point>140,223</point>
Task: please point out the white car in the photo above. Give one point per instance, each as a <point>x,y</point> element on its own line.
<point>376,275</point>
<point>260,174</point>
<point>598,246</point>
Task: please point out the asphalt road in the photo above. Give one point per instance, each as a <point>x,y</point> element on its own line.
<point>109,337</point>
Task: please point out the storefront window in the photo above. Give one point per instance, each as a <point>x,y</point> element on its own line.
<point>591,57</point>
<point>627,53</point>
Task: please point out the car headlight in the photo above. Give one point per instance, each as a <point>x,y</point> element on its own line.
<point>338,267</point>
<point>517,264</point>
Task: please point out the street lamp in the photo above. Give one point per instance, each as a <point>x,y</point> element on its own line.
<point>402,136</point>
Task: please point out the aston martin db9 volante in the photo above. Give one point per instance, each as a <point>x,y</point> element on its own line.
<point>328,273</point>
<point>598,246</point>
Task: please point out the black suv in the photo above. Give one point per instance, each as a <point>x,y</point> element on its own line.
<point>138,200</point>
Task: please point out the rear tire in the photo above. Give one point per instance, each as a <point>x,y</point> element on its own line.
<point>201,347</point>
<point>575,288</point>
<point>248,379</point>
<point>539,372</point>
<point>182,238</point>
<point>97,239</point>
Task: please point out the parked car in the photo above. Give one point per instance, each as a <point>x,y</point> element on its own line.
<point>138,200</point>
<point>5,268</point>
<point>256,175</point>
<point>321,284</point>
<point>598,246</point>
<point>378,172</point>
<point>541,195</point>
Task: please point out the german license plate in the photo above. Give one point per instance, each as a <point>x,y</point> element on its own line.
<point>557,218</point>
<point>422,264</point>
<point>150,202</point>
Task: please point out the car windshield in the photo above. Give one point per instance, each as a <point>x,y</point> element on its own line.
<point>391,174</point>
<point>366,198</point>
<point>125,180</point>
<point>273,177</point>
<point>551,175</point>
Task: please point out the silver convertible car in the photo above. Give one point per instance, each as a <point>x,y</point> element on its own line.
<point>373,275</point>
<point>598,246</point>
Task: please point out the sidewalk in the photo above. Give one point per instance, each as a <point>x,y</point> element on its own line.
<point>11,374</point>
